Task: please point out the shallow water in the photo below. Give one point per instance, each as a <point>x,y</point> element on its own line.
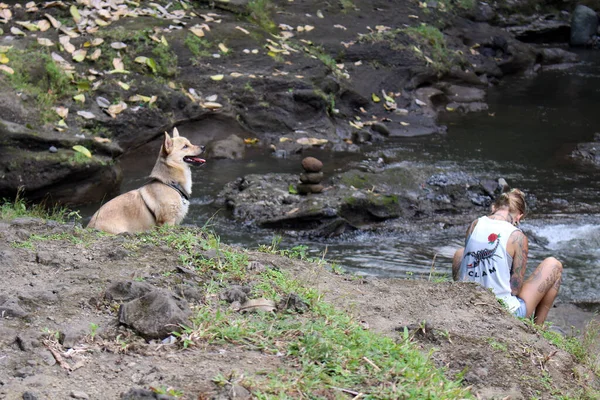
<point>531,125</point>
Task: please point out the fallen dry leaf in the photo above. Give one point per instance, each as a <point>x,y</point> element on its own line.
<point>261,304</point>
<point>62,111</point>
<point>45,42</point>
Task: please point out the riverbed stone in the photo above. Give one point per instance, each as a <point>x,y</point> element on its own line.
<point>306,188</point>
<point>584,23</point>
<point>311,177</point>
<point>127,290</point>
<point>232,147</point>
<point>311,164</point>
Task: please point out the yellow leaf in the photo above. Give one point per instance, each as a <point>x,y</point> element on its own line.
<point>197,31</point>
<point>97,42</point>
<point>45,42</point>
<point>251,140</point>
<point>118,64</point>
<point>79,55</point>
<point>80,98</point>
<point>101,139</point>
<point>123,85</point>
<point>7,69</point>
<point>101,22</point>
<point>216,77</point>
<point>16,31</point>
<point>43,25</point>
<point>3,58</point>
<point>211,105</point>
<point>285,139</point>
<point>82,150</point>
<point>96,54</point>
<point>164,41</point>
<point>375,98</point>
<point>75,14</point>
<point>55,23</point>
<point>223,48</point>
<point>62,111</point>
<point>28,25</point>
<point>404,123</point>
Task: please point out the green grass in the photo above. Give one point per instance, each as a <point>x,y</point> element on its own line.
<point>323,349</point>
<point>261,12</point>
<point>430,43</point>
<point>18,207</point>
<point>199,47</point>
<point>166,61</point>
<point>44,81</point>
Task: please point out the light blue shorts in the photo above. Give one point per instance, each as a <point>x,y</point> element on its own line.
<point>521,312</point>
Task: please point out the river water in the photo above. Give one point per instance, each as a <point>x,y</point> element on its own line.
<point>530,127</point>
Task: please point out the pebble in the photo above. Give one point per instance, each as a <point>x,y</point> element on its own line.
<point>53,149</point>
<point>78,394</point>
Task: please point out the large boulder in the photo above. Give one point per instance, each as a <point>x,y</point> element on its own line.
<point>584,23</point>
<point>232,148</point>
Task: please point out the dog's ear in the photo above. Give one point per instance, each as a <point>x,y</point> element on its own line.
<point>167,146</point>
<point>175,133</point>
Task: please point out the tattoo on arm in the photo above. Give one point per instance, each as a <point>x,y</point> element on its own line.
<point>519,265</point>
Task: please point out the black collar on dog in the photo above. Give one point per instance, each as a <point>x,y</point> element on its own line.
<point>180,189</point>
<point>175,186</point>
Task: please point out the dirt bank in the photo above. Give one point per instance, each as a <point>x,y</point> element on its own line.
<point>62,287</point>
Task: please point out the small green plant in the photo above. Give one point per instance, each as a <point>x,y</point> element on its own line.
<point>11,209</point>
<point>168,391</point>
<point>93,330</point>
<point>434,49</point>
<point>261,14</point>
<point>199,47</point>
<point>166,61</point>
<point>347,6</point>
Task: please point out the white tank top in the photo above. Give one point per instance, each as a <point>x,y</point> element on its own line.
<point>486,260</point>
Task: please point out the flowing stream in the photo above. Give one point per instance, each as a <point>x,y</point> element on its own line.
<point>532,124</point>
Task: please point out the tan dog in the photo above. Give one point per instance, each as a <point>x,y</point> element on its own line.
<point>164,200</point>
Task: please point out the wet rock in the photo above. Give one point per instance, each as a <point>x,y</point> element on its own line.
<point>78,394</point>
<point>381,128</point>
<point>236,293</point>
<point>588,153</point>
<point>311,177</point>
<point>584,23</point>
<point>451,178</point>
<point>542,29</point>
<point>361,137</point>
<point>144,394</point>
<point>127,290</point>
<point>552,56</point>
<point>311,164</point>
<point>232,148</point>
<point>30,396</point>
<point>464,94</point>
<point>309,188</point>
<point>154,315</point>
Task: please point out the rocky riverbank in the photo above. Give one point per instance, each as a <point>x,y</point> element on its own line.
<point>116,75</point>
<point>90,316</point>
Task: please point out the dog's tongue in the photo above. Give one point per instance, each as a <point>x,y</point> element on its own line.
<point>196,160</point>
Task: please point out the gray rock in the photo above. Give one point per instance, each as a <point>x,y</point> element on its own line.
<point>78,394</point>
<point>6,257</point>
<point>235,293</point>
<point>362,136</point>
<point>306,188</point>
<point>154,315</point>
<point>144,394</point>
<point>232,148</point>
<point>552,56</point>
<point>24,372</point>
<point>233,392</point>
<point>584,23</point>
<point>10,307</point>
<point>464,94</point>
<point>380,128</point>
<point>70,337</point>
<point>311,177</point>
<point>53,149</point>
<point>30,396</point>
<point>127,290</point>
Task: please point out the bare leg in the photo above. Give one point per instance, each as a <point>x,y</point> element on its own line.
<point>541,288</point>
<point>456,261</point>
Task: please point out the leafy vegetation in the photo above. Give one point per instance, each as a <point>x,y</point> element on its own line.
<point>198,46</point>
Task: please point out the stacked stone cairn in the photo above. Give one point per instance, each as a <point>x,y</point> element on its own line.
<point>311,177</point>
